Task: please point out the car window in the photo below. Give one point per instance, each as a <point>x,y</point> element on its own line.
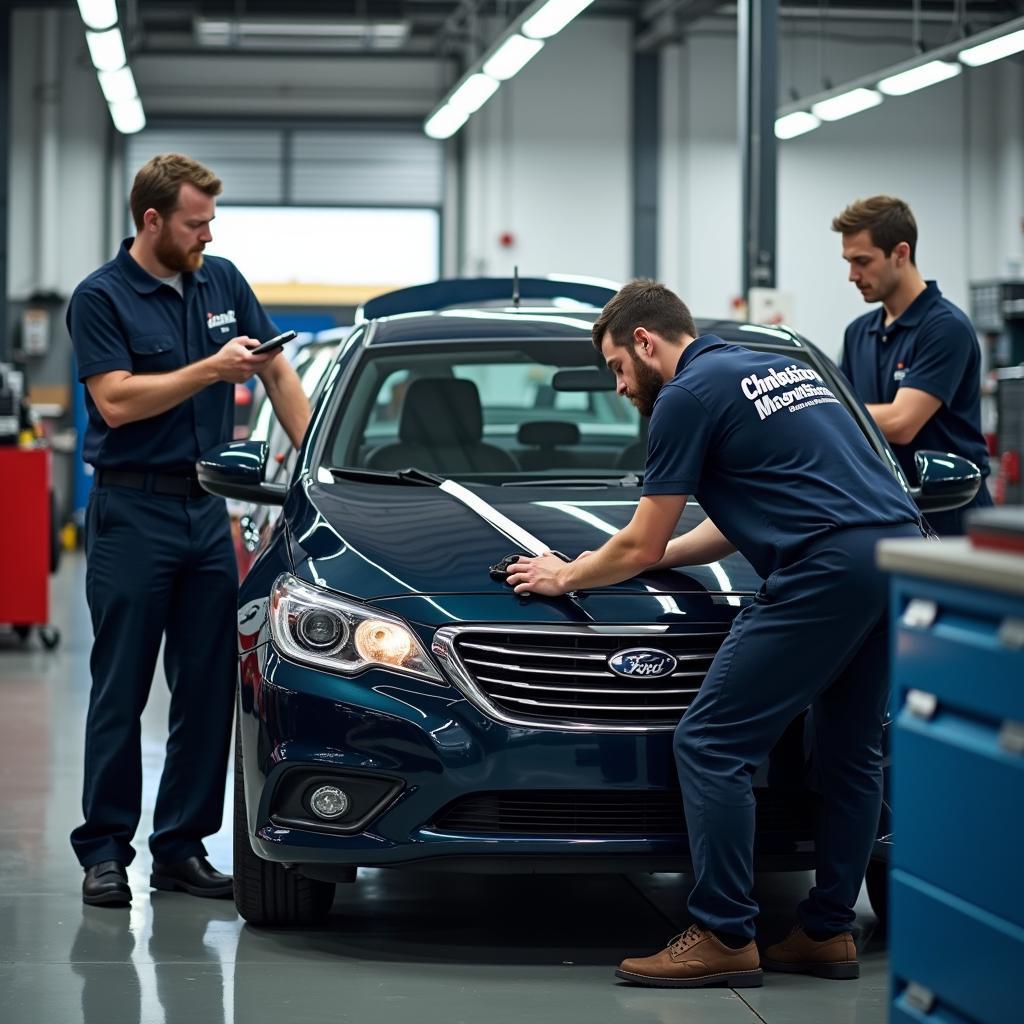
<point>421,405</point>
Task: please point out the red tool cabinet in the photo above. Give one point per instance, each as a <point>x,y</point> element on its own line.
<point>25,538</point>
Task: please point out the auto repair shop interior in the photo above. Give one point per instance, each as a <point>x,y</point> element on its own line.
<point>301,719</point>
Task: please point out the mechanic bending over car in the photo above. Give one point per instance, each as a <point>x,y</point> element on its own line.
<point>915,363</point>
<point>161,336</point>
<point>785,476</point>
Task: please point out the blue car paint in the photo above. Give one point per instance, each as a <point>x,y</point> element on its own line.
<point>417,553</point>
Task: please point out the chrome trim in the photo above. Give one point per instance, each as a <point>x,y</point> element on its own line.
<point>597,707</point>
<point>443,647</point>
<point>582,657</point>
<point>579,689</point>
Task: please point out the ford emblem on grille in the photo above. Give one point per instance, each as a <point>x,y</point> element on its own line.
<point>642,662</point>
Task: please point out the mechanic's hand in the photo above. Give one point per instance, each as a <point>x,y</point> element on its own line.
<point>234,362</point>
<point>540,575</point>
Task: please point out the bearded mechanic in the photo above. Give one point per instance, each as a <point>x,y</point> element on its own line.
<point>787,478</point>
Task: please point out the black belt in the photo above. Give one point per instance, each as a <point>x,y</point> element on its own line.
<point>156,483</point>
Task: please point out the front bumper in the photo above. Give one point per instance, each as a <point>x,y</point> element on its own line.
<point>427,747</point>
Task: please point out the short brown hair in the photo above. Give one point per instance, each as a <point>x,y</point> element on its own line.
<point>643,303</point>
<point>887,219</point>
<point>159,181</point>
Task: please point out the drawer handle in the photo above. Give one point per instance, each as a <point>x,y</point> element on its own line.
<point>1011,737</point>
<point>920,614</point>
<point>919,997</point>
<point>921,704</point>
<point>1011,634</point>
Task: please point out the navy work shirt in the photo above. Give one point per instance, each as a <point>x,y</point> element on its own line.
<point>123,318</point>
<point>931,347</point>
<point>773,457</point>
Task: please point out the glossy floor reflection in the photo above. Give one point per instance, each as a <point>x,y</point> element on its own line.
<point>397,947</point>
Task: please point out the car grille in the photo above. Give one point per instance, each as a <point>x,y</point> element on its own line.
<point>647,813</point>
<point>560,678</point>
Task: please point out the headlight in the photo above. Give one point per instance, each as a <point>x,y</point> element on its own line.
<point>316,627</point>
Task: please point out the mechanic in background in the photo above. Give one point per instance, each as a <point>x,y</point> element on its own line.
<point>915,362</point>
<point>786,477</point>
<point>161,336</point>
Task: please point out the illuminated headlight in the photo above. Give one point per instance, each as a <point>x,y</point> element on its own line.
<point>316,627</point>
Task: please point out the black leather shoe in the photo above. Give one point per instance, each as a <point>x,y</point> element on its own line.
<point>195,876</point>
<point>106,885</point>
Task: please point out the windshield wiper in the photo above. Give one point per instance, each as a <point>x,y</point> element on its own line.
<point>417,477</point>
<point>629,480</point>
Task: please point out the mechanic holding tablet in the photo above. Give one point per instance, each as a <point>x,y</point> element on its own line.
<point>785,476</point>
<point>161,336</point>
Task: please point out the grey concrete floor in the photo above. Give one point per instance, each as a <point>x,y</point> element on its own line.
<point>397,947</point>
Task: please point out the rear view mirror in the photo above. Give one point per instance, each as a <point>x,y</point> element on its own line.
<point>947,481</point>
<point>236,470</point>
<point>590,379</point>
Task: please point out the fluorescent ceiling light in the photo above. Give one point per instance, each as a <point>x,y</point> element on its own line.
<point>128,116</point>
<point>118,86</point>
<point>553,17</point>
<point>800,122</point>
<point>474,92</point>
<point>296,33</point>
<point>846,103</point>
<point>917,78</point>
<point>985,53</point>
<point>445,122</point>
<point>512,56</point>
<point>98,14</point>
<point>106,49</point>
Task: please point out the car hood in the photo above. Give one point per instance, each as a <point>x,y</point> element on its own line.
<point>391,543</point>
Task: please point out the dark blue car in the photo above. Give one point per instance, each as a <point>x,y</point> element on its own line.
<point>398,705</point>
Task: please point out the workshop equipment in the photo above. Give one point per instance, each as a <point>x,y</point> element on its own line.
<point>26,542</point>
<point>956,933</point>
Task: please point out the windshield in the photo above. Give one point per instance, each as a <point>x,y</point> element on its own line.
<point>502,408</point>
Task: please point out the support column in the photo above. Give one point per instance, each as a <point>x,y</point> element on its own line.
<point>758,42</point>
<point>646,158</point>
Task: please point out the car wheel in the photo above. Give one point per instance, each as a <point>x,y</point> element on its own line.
<point>877,881</point>
<point>266,893</point>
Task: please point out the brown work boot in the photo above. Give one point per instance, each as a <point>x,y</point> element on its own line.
<point>695,959</point>
<point>798,953</point>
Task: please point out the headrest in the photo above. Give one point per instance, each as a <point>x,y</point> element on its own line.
<point>440,412</point>
<point>548,433</point>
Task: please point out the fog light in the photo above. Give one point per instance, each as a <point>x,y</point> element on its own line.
<point>329,802</point>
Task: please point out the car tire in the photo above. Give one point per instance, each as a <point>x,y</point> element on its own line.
<point>266,893</point>
<point>877,881</point>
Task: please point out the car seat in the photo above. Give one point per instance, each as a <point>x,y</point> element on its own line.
<point>542,438</point>
<point>441,431</point>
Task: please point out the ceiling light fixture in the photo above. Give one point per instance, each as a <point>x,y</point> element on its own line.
<point>553,17</point>
<point>98,14</point>
<point>911,80</point>
<point>800,122</point>
<point>846,104</point>
<point>995,49</point>
<point>512,56</point>
<point>106,49</point>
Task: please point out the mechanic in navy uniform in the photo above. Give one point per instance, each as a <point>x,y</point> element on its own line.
<point>161,337</point>
<point>915,362</point>
<point>786,477</point>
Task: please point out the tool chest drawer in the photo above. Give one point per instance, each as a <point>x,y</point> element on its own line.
<point>958,795</point>
<point>968,960</point>
<point>956,899</point>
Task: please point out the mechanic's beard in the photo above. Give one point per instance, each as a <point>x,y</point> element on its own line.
<point>181,261</point>
<point>648,384</point>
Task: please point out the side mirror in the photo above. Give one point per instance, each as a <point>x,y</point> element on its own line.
<point>236,470</point>
<point>947,481</point>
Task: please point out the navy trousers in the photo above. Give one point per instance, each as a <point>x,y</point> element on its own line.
<point>815,636</point>
<point>158,568</point>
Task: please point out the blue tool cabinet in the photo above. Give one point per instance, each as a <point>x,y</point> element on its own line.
<point>957,875</point>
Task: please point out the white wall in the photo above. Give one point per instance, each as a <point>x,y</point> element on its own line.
<point>548,159</point>
<point>57,231</point>
<point>955,152</point>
